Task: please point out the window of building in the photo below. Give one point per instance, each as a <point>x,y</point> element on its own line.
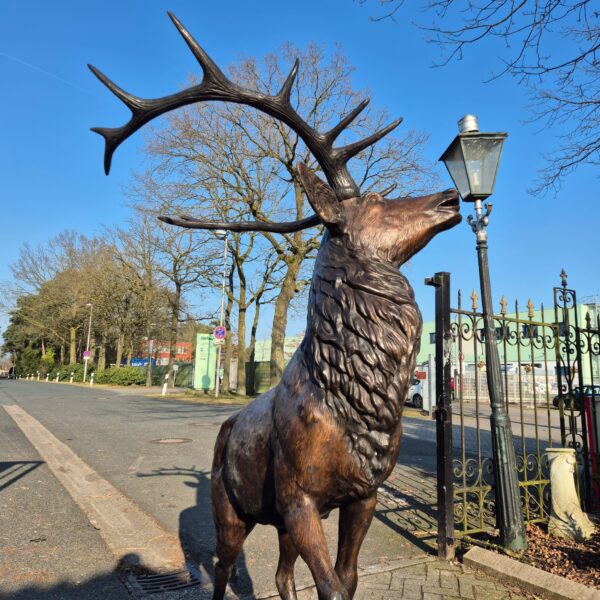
<point>530,331</point>
<point>432,338</point>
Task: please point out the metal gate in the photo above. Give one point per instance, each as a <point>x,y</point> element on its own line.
<point>550,361</point>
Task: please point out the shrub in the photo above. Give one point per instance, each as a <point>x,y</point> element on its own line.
<point>122,376</point>
<point>66,370</point>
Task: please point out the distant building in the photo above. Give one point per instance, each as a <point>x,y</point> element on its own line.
<point>161,351</point>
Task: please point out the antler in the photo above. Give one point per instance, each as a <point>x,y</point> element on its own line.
<point>287,227</point>
<point>216,86</point>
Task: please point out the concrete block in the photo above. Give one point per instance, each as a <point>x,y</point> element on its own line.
<point>531,579</point>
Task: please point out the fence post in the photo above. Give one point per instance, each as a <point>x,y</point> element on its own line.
<point>165,384</point>
<point>443,415</point>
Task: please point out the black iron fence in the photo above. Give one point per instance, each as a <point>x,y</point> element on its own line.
<point>550,360</point>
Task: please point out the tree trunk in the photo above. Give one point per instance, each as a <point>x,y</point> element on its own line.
<point>282,304</point>
<point>43,347</point>
<point>251,383</point>
<point>62,354</point>
<point>102,355</point>
<point>120,344</point>
<point>129,355</point>
<point>72,345</point>
<point>175,304</point>
<point>149,365</point>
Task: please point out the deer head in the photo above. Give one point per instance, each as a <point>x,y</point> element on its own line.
<point>392,230</point>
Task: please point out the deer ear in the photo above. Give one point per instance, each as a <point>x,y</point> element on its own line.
<point>320,195</point>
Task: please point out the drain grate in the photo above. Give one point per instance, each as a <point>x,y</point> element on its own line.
<point>142,585</point>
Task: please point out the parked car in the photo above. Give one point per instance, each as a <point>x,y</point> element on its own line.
<point>415,394</point>
<point>574,400</point>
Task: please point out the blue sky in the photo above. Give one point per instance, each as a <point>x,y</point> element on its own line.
<point>52,175</point>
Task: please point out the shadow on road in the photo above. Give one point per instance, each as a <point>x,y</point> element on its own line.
<point>12,471</point>
<point>103,586</point>
<point>197,532</point>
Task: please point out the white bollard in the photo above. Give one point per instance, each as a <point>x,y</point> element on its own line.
<point>57,377</point>
<point>71,380</point>
<point>38,375</point>
<point>47,377</point>
<point>91,380</point>
<point>165,384</point>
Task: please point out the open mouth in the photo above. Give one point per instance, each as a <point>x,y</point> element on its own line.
<point>450,202</point>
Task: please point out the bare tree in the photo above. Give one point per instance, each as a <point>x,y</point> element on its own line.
<point>184,260</point>
<point>228,162</point>
<point>551,47</point>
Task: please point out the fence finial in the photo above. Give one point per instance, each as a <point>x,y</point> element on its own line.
<point>563,278</point>
<point>503,305</point>
<point>474,300</point>
<point>530,308</point>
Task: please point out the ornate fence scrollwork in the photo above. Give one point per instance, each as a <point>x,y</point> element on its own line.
<point>550,363</point>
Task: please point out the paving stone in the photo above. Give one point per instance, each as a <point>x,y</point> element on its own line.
<point>420,570</point>
<point>428,596</point>
<point>433,574</point>
<point>489,593</point>
<point>449,580</point>
<point>412,590</point>
<point>382,580</point>
<point>465,587</point>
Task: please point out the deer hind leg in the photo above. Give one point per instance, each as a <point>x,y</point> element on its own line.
<point>288,554</point>
<point>355,520</point>
<point>303,523</point>
<point>231,535</point>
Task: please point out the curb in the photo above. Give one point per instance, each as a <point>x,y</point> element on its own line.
<point>528,578</point>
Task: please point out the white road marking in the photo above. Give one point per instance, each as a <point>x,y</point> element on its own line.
<point>122,524</point>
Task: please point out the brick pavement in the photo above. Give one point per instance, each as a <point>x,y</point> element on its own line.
<point>424,578</point>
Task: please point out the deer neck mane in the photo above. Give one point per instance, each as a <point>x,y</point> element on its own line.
<point>362,338</point>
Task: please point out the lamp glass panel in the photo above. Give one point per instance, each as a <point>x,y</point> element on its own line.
<point>455,163</point>
<point>482,156</point>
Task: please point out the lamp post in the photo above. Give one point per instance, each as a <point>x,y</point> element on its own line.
<point>472,161</point>
<point>86,358</point>
<point>222,235</point>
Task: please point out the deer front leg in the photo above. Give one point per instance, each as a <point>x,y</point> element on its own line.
<point>303,523</point>
<point>355,520</point>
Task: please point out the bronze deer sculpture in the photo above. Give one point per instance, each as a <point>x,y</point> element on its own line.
<point>329,433</point>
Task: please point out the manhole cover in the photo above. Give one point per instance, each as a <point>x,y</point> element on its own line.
<point>171,441</point>
<point>141,585</point>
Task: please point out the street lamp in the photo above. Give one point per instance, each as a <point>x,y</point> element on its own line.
<point>221,234</point>
<point>86,357</point>
<point>472,160</point>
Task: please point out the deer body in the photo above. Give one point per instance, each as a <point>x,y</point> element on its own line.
<point>342,392</point>
<point>329,433</point>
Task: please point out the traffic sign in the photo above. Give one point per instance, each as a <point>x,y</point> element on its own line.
<point>87,354</point>
<point>220,332</point>
<point>219,342</point>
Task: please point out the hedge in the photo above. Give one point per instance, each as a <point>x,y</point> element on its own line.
<point>122,376</point>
